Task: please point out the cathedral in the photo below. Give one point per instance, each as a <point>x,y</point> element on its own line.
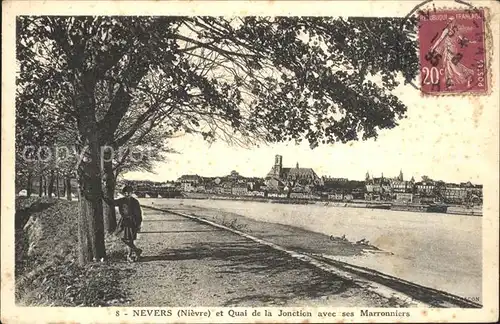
<point>280,178</point>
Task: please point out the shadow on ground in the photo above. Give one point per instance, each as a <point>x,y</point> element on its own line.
<point>182,231</point>
<point>165,220</point>
<point>287,276</point>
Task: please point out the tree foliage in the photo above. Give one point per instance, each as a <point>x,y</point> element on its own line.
<point>114,80</point>
<point>273,78</point>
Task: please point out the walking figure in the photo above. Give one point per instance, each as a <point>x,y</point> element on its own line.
<point>130,222</point>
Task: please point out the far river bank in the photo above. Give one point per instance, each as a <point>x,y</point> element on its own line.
<point>451,209</point>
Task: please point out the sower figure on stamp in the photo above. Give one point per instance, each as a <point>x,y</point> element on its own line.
<point>447,46</point>
<point>130,222</point>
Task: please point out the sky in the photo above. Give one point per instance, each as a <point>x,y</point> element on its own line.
<point>441,138</point>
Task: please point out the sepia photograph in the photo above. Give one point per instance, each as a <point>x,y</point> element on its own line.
<point>256,164</point>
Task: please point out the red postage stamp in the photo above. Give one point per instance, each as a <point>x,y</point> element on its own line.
<point>453,54</point>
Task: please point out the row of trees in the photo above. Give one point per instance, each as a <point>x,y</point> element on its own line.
<point>132,82</point>
<point>51,185</point>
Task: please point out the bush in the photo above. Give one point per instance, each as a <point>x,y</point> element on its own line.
<point>231,223</point>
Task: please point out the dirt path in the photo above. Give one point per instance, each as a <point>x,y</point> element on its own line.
<point>186,263</point>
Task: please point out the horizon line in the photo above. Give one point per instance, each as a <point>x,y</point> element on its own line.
<point>153,174</point>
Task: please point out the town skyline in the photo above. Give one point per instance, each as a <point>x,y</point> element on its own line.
<point>147,176</point>
<point>154,178</point>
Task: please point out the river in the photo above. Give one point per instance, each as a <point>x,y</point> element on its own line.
<point>440,251</point>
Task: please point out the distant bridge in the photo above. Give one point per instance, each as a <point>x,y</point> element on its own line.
<point>156,192</point>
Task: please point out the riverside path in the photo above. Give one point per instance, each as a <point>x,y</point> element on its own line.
<point>206,257</point>
<point>189,263</point>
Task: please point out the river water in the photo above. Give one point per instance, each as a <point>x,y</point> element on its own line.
<point>440,251</point>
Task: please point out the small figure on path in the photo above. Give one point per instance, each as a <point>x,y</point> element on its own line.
<point>130,221</point>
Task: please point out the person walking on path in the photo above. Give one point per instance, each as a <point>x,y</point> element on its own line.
<point>130,221</point>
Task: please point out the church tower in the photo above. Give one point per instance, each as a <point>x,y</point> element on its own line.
<point>367,176</point>
<point>278,165</point>
<point>400,177</point>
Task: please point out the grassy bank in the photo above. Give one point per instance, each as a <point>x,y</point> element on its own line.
<point>47,272</point>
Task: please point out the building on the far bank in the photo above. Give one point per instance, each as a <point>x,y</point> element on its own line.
<point>343,188</point>
<point>304,183</point>
<point>188,186</point>
<point>226,191</point>
<point>383,188</point>
<point>405,197</point>
<point>191,178</point>
<point>194,179</point>
<point>333,179</point>
<point>377,188</point>
<point>256,193</point>
<point>239,190</point>
<point>463,193</point>
<point>280,178</point>
<point>336,196</point>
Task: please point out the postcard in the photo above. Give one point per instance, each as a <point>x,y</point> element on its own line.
<point>250,161</point>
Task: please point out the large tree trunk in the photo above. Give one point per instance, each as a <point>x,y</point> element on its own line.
<point>90,222</point>
<point>109,192</point>
<point>91,226</point>
<point>85,253</point>
<point>69,193</point>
